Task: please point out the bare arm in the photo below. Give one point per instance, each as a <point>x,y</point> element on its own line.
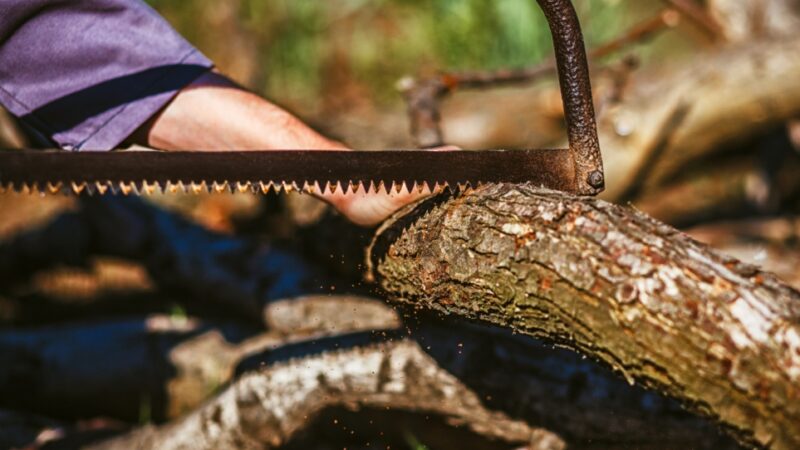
<point>214,114</point>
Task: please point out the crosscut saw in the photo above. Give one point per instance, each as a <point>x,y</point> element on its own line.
<point>577,169</point>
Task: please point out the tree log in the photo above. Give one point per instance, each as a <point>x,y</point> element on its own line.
<point>177,364</point>
<point>457,371</point>
<point>612,283</point>
<point>168,365</point>
<point>772,243</point>
<point>720,99</point>
<point>265,408</point>
<point>718,189</point>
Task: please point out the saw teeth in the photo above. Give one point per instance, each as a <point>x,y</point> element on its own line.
<point>101,187</point>
<point>122,188</point>
<point>198,188</point>
<point>151,188</point>
<point>54,188</point>
<point>359,188</point>
<point>29,188</point>
<point>219,188</point>
<point>332,188</point>
<point>400,188</point>
<point>350,187</point>
<point>171,188</point>
<point>78,188</point>
<point>242,187</point>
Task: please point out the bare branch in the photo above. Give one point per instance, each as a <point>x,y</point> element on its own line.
<point>423,97</point>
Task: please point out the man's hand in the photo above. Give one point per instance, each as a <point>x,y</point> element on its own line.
<point>213,113</point>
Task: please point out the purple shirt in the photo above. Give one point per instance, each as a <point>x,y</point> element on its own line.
<point>85,74</point>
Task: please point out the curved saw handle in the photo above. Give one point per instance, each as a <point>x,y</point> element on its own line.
<point>576,92</point>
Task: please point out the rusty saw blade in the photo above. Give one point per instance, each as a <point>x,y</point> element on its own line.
<point>139,172</point>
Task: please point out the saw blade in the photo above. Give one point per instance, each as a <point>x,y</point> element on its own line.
<point>311,171</point>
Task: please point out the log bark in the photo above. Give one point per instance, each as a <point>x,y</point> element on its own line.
<point>612,283</point>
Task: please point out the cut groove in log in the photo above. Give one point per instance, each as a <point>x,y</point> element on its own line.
<point>662,309</point>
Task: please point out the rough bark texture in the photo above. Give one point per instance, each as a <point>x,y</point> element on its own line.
<point>612,283</point>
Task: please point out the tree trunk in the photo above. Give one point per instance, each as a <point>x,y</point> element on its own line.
<point>608,281</point>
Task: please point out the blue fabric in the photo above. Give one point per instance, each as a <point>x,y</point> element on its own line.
<point>87,73</point>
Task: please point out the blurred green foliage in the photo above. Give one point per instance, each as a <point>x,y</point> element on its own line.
<point>299,45</point>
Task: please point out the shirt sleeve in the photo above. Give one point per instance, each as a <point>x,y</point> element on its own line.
<point>87,73</point>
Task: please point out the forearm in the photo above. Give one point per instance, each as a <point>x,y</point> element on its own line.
<point>214,114</point>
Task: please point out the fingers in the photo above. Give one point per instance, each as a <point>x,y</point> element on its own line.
<point>370,208</point>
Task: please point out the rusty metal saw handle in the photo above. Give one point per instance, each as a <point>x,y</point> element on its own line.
<point>576,91</point>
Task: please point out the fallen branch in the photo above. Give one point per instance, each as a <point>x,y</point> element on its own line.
<point>176,364</point>
<point>732,187</point>
<point>166,364</point>
<point>762,75</point>
<point>614,284</point>
<point>771,243</point>
<point>640,134</point>
<point>265,409</point>
<point>423,97</point>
